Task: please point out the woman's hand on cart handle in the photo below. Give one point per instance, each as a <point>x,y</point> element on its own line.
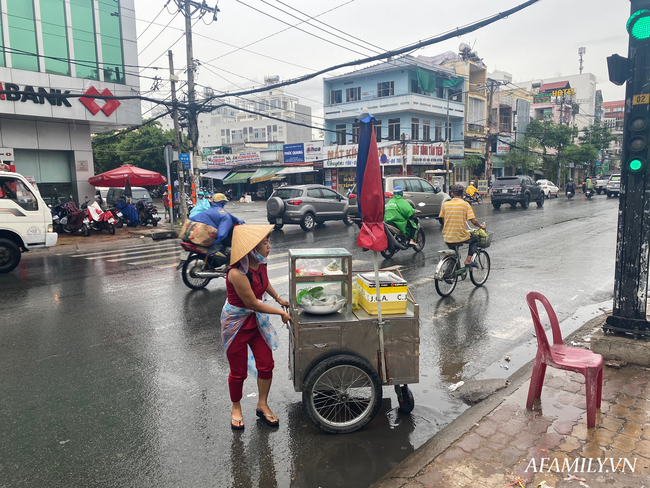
<point>286,318</point>
<point>282,302</point>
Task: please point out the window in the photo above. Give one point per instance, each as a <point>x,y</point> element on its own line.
<point>415,87</point>
<point>426,129</point>
<point>393,129</point>
<point>340,134</point>
<point>476,111</point>
<point>223,132</point>
<point>386,89</point>
<point>505,121</point>
<point>314,193</point>
<point>353,94</point>
<point>426,187</point>
<point>16,191</point>
<point>245,131</point>
<point>275,128</point>
<point>415,129</point>
<point>355,133</point>
<point>111,39</point>
<point>413,186</point>
<point>285,194</point>
<point>401,183</point>
<point>83,38</point>
<point>329,194</point>
<point>336,96</point>
<point>438,132</point>
<point>378,130</point>
<point>55,41</point>
<point>22,34</point>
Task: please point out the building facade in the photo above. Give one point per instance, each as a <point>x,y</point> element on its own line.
<point>54,51</point>
<point>613,116</point>
<point>227,126</point>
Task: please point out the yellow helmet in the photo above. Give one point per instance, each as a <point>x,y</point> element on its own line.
<point>219,197</point>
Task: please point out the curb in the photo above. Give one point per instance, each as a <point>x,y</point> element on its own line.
<point>457,428</point>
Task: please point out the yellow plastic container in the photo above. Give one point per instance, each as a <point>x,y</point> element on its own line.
<point>393,291</point>
<point>355,297</point>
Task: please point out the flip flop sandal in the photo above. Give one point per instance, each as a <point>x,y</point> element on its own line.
<point>472,265</point>
<point>240,423</point>
<point>265,417</point>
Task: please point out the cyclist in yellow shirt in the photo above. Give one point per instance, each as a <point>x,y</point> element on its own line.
<point>455,213</point>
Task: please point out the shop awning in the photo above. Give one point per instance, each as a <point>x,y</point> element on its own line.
<point>292,170</point>
<point>216,175</point>
<point>264,174</point>
<point>235,178</point>
<point>498,162</point>
<point>458,163</point>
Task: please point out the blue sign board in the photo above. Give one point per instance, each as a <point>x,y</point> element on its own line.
<point>294,153</point>
<point>184,157</point>
<point>186,165</point>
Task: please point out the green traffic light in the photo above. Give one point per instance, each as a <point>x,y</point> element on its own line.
<point>638,25</point>
<point>635,165</point>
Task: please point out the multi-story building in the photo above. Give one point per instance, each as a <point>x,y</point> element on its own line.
<point>568,99</point>
<point>226,126</point>
<point>613,116</point>
<point>53,50</point>
<point>408,97</point>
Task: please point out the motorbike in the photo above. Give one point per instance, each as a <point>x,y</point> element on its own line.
<point>230,194</point>
<point>473,199</point>
<point>200,267</point>
<point>570,194</point>
<point>589,192</point>
<point>68,219</point>
<point>99,220</point>
<point>399,242</point>
<point>148,213</point>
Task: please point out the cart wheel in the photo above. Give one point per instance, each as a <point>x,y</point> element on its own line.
<point>405,398</point>
<point>342,394</point>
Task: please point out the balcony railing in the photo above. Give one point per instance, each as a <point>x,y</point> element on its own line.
<point>475,128</point>
<point>395,103</point>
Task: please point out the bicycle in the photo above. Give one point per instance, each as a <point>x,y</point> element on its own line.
<point>451,267</point>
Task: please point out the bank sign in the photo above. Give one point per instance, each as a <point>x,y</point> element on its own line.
<point>59,98</point>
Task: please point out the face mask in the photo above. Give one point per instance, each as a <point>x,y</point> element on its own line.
<point>260,258</point>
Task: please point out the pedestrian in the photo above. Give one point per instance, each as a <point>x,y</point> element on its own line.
<point>166,205</point>
<point>246,330</point>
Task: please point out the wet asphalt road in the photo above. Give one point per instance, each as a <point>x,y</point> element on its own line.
<point>112,371</point>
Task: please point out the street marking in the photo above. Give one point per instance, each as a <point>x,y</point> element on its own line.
<point>277,266</point>
<point>131,258</point>
<point>122,251</point>
<point>165,266</point>
<point>574,297</point>
<point>135,263</point>
<point>134,255</point>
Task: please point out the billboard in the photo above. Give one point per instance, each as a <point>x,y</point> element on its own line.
<point>390,154</point>
<point>313,151</point>
<point>294,153</point>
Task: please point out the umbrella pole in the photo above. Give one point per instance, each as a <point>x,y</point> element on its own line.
<point>380,321</point>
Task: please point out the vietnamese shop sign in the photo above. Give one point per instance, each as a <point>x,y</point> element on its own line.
<point>294,153</point>
<point>313,151</point>
<point>425,153</point>
<point>249,157</point>
<point>390,154</point>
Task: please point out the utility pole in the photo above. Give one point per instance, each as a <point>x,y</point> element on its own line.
<point>492,86</point>
<point>181,184</point>
<point>188,8</point>
<point>403,137</point>
<point>447,141</point>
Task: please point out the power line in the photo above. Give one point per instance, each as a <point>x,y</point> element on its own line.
<point>158,35</point>
<point>298,28</point>
<point>443,37</point>
<point>154,20</point>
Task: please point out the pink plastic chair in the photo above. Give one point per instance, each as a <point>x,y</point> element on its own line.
<point>559,356</point>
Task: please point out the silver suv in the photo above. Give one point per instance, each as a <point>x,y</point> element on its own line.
<point>416,191</point>
<point>613,185</point>
<point>306,205</point>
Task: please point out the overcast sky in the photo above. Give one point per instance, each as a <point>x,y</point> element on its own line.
<point>541,41</point>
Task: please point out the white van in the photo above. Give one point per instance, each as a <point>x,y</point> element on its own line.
<point>25,219</point>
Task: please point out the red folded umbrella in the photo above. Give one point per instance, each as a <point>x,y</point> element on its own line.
<point>127,173</point>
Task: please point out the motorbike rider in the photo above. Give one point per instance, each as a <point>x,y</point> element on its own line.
<point>589,183</point>
<point>217,217</point>
<point>570,187</point>
<point>201,204</point>
<point>471,191</point>
<point>455,213</point>
<point>398,212</point>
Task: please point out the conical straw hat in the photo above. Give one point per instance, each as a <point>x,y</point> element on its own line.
<point>245,238</point>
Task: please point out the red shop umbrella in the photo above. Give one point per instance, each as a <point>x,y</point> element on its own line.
<point>127,173</point>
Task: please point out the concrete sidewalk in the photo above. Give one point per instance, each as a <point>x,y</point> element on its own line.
<point>498,442</point>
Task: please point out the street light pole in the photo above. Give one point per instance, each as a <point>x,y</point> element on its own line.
<point>448,136</point>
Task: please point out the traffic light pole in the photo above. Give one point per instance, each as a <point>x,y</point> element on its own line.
<point>180,175</point>
<point>632,245</point>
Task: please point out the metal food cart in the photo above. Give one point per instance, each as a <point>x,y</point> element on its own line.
<point>335,360</point>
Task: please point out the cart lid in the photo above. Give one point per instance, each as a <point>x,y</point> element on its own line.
<point>385,278</point>
<point>319,253</point>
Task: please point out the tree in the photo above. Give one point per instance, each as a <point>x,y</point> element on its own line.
<point>600,137</point>
<point>585,154</point>
<point>523,157</point>
<point>547,134</point>
<point>142,147</point>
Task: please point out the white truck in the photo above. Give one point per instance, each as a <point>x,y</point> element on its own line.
<point>25,219</point>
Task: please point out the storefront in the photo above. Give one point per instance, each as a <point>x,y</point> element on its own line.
<point>261,182</point>
<point>42,123</point>
<point>301,175</point>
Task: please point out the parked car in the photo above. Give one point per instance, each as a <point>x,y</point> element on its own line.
<point>416,191</point>
<point>138,193</point>
<point>516,190</point>
<point>614,185</point>
<point>306,205</point>
<point>601,184</point>
<point>549,188</point>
